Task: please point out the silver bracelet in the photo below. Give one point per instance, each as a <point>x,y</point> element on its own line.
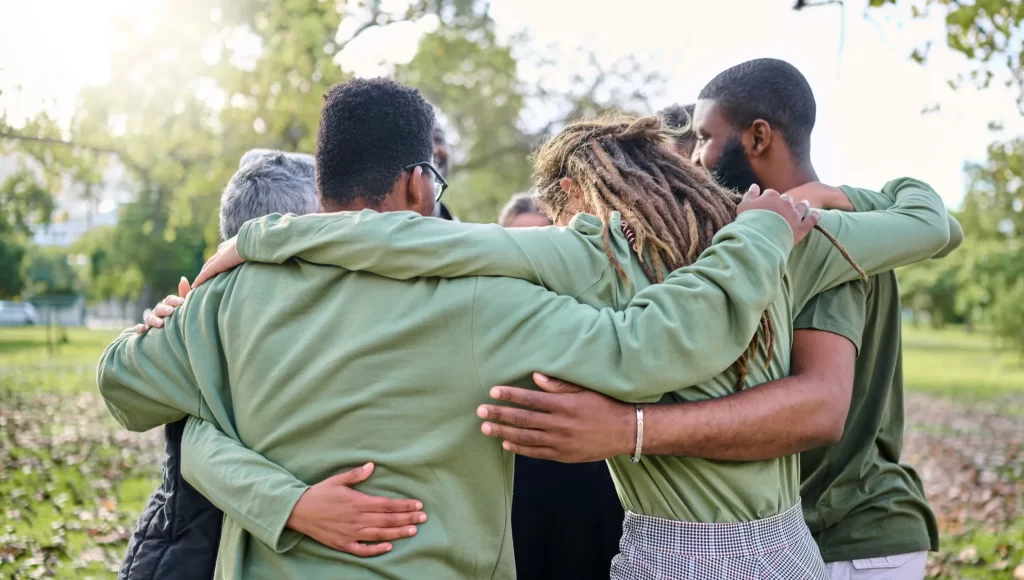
<point>639,433</point>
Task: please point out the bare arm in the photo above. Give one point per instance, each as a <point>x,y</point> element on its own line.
<point>783,417</point>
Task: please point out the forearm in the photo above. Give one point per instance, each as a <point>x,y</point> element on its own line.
<point>776,419</point>
<point>398,245</point>
<point>672,335</point>
<point>144,383</point>
<point>252,490</point>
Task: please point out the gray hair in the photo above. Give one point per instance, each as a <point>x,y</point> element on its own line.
<point>254,154</point>
<point>520,204</point>
<point>268,182</point>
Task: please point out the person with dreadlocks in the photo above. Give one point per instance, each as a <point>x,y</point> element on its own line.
<point>646,211</point>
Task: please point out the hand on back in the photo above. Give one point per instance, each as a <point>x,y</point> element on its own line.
<point>339,517</point>
<point>822,196</point>
<point>225,259</point>
<point>166,307</point>
<point>799,215</point>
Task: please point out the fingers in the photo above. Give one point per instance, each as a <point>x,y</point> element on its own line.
<point>525,397</point>
<point>154,321</point>
<point>753,192</point>
<point>385,534</point>
<point>805,224</point>
<point>529,451</point>
<point>551,385</point>
<point>388,505</point>
<point>802,207</point>
<point>204,274</point>
<point>140,328</point>
<point>402,520</point>
<point>183,287</point>
<point>513,416</point>
<point>173,302</point>
<point>353,476</point>
<point>364,550</point>
<point>530,437</point>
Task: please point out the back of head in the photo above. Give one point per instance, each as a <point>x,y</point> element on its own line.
<point>267,182</point>
<point>680,118</point>
<point>254,154</point>
<point>370,129</point>
<point>520,204</point>
<point>626,164</point>
<point>768,89</point>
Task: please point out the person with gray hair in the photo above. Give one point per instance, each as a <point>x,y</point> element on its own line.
<point>178,533</point>
<point>268,182</point>
<point>522,212</point>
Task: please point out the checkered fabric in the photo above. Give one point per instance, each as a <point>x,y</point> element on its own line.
<point>776,548</point>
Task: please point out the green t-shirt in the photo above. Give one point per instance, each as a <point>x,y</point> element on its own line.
<point>858,500</point>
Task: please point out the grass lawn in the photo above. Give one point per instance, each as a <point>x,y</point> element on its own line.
<point>72,482</point>
<point>952,362</point>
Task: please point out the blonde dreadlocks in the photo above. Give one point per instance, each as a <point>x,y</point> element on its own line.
<point>672,208</point>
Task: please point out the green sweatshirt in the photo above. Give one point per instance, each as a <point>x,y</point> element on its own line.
<point>572,262</point>
<point>319,369</point>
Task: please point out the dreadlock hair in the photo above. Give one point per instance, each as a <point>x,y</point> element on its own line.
<point>672,208</point>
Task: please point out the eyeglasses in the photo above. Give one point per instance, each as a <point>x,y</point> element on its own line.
<point>439,183</point>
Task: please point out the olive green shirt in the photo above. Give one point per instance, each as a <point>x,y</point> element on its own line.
<point>403,246</point>
<point>858,499</point>
<point>319,369</point>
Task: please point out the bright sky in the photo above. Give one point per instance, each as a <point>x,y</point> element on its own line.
<point>870,95</point>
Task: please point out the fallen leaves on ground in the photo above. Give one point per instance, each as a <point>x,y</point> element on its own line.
<point>62,463</point>
<point>970,457</point>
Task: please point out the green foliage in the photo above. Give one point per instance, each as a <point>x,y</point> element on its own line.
<point>48,272</point>
<point>12,281</point>
<point>986,32</point>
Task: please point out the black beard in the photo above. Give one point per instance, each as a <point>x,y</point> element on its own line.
<point>733,169</point>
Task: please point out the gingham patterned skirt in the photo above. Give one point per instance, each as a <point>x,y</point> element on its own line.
<point>779,548</point>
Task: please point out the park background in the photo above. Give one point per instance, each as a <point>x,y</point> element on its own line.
<point>121,121</point>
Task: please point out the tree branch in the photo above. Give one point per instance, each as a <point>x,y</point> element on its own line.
<point>121,155</point>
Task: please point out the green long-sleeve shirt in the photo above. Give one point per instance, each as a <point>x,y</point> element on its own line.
<point>572,262</point>
<point>320,369</point>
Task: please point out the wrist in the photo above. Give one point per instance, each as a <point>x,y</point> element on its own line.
<point>299,517</point>
<point>627,429</point>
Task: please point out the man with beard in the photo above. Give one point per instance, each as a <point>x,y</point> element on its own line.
<point>868,513</point>
<point>441,163</point>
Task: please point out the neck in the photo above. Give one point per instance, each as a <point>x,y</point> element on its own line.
<point>789,178</point>
<point>357,205</point>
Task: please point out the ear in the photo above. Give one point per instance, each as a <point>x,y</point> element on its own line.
<point>761,137</point>
<point>566,184</point>
<point>414,188</point>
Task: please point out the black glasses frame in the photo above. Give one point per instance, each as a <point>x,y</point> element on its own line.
<point>440,185</point>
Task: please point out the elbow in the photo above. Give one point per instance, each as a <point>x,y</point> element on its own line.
<point>829,425</point>
<point>829,433</point>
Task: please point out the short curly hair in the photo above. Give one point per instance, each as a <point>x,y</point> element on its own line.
<point>769,89</point>
<point>370,129</point>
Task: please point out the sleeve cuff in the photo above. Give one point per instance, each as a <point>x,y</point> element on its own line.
<point>282,538</point>
<point>847,331</point>
<point>244,241</point>
<point>769,224</point>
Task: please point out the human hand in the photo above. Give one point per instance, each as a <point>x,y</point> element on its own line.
<point>822,196</point>
<point>564,423</point>
<point>165,308</point>
<point>339,517</point>
<point>225,259</point>
<point>799,216</point>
